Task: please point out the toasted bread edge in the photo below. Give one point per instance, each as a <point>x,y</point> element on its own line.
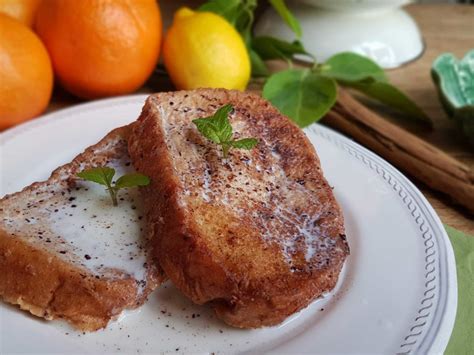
<point>49,287</point>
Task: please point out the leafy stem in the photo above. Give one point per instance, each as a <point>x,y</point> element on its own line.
<point>113,194</point>
<point>103,175</point>
<point>218,129</point>
<point>225,149</point>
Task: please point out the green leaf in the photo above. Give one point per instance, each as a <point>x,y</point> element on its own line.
<point>245,143</point>
<point>287,16</point>
<point>352,67</point>
<point>132,180</point>
<point>100,175</point>
<point>301,95</point>
<point>393,97</point>
<point>222,124</point>
<point>207,129</point>
<point>245,20</point>
<point>229,9</point>
<point>239,13</point>
<point>217,127</point>
<point>274,48</point>
<point>259,68</point>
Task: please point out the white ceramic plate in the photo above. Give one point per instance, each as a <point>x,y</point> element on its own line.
<point>397,292</point>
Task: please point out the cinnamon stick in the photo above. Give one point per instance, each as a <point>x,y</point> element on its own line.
<point>404,150</point>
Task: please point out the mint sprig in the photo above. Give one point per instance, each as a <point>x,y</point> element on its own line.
<point>217,129</point>
<point>104,175</point>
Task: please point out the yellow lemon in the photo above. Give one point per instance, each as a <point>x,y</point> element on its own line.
<point>201,49</point>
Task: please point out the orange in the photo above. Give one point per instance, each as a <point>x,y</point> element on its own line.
<point>25,71</point>
<point>101,47</point>
<point>22,10</point>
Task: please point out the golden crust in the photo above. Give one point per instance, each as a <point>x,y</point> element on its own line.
<point>38,280</point>
<point>227,232</point>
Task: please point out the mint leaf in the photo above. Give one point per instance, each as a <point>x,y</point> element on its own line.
<point>218,129</point>
<point>274,48</point>
<point>352,67</point>
<point>301,95</point>
<point>132,180</point>
<point>100,175</point>
<point>287,16</point>
<point>207,129</point>
<point>245,143</point>
<point>392,96</point>
<point>103,175</point>
<point>222,124</point>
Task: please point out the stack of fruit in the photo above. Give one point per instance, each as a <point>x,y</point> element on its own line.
<point>100,48</point>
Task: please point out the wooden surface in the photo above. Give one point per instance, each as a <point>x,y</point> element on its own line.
<point>445,28</point>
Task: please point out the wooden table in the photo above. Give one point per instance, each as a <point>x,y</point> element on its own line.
<point>445,28</point>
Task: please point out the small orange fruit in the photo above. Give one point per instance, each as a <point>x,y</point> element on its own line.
<point>101,47</point>
<point>25,71</point>
<point>22,10</point>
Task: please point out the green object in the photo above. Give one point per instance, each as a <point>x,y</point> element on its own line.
<point>229,9</point>
<point>391,96</point>
<point>218,129</point>
<point>351,67</point>
<point>301,94</point>
<point>103,175</point>
<point>368,77</point>
<point>131,180</point>
<point>306,95</point>
<point>259,68</point>
<point>273,48</point>
<point>287,16</point>
<point>455,82</point>
<point>462,337</point>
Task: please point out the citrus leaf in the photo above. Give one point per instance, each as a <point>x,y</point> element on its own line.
<point>287,16</point>
<point>132,180</point>
<point>229,9</point>
<point>352,67</point>
<point>259,68</point>
<point>393,97</point>
<point>301,95</point>
<point>274,48</point>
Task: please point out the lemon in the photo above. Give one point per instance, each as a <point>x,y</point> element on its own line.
<point>201,49</point>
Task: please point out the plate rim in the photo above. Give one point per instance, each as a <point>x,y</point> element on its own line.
<point>418,336</point>
<point>413,197</point>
